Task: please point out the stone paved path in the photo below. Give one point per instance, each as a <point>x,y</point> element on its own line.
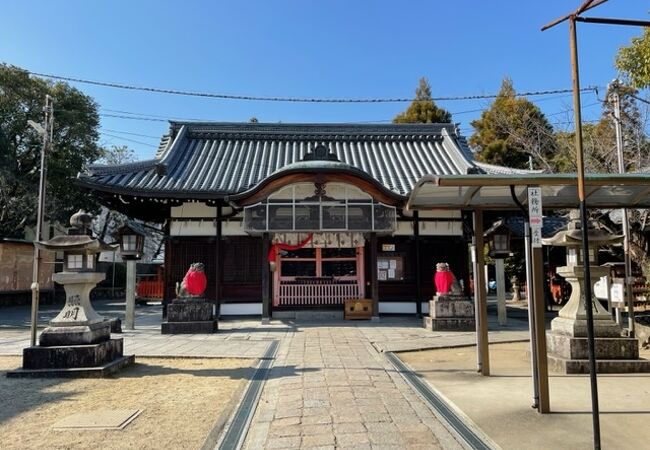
<point>330,385</point>
<point>330,388</point>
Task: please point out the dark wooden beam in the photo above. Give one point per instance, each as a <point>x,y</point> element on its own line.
<point>418,271</point>
<point>218,262</point>
<point>374,282</point>
<point>266,278</point>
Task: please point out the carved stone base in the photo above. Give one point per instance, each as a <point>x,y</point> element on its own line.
<point>578,327</point>
<point>205,327</point>
<point>581,366</point>
<point>569,354</point>
<point>73,360</point>
<point>449,324</point>
<point>190,316</point>
<point>605,348</point>
<point>75,335</point>
<point>450,313</point>
<point>191,311</point>
<point>446,306</point>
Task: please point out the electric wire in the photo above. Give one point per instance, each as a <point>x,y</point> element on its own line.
<point>290,99</point>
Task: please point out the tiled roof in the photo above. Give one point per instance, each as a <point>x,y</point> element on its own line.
<point>503,170</point>
<point>212,160</point>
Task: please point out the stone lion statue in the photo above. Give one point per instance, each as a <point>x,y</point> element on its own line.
<point>194,282</point>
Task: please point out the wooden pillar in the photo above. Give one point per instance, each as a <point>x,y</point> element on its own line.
<point>218,262</point>
<point>266,279</point>
<point>418,271</point>
<point>168,269</point>
<point>481,297</point>
<point>544,405</point>
<point>501,291</point>
<point>374,283</point>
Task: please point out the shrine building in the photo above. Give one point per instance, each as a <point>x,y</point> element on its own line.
<point>294,217</point>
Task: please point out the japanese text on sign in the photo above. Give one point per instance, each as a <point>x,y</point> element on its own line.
<point>535,216</point>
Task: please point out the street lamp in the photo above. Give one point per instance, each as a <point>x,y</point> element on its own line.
<point>131,238</point>
<point>498,240</point>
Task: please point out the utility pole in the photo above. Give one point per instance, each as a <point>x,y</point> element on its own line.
<point>616,100</point>
<point>46,133</point>
<point>573,18</point>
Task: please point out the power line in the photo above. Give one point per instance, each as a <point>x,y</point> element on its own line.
<point>289,99</point>
<point>132,134</point>
<point>642,100</point>
<point>129,140</point>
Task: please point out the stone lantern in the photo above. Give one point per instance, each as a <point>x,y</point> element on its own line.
<point>567,340</point>
<point>498,240</point>
<point>77,341</point>
<point>131,238</point>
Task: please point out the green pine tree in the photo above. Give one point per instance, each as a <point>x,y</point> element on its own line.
<point>423,109</point>
<point>511,130</point>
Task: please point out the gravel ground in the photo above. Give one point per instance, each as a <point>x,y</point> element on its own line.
<point>181,400</point>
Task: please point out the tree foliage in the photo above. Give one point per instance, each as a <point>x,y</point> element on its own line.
<point>633,61</point>
<point>599,139</point>
<point>511,129</point>
<point>116,154</point>
<point>74,145</point>
<point>423,109</point>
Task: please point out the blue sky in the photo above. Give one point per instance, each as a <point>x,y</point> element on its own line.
<point>307,49</point>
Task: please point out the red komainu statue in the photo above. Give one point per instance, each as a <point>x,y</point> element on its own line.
<point>194,282</point>
<point>445,281</point>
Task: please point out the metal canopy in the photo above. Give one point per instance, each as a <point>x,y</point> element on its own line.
<point>559,191</point>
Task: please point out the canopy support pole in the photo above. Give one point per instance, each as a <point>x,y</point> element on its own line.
<point>480,297</point>
<point>537,291</point>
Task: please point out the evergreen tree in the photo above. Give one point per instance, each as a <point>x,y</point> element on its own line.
<point>74,145</point>
<point>511,129</point>
<point>423,109</point>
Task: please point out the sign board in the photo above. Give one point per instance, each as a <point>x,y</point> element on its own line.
<point>387,247</point>
<point>616,291</point>
<point>390,268</point>
<point>535,218</point>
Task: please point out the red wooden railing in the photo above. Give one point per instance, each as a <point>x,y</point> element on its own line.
<point>150,289</point>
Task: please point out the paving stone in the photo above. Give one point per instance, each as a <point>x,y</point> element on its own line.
<point>381,427</point>
<point>312,429</point>
<point>283,442</point>
<point>283,413</point>
<point>375,417</point>
<point>285,430</point>
<point>382,438</point>
<point>317,411</point>
<point>419,438</point>
<point>351,439</point>
<point>349,427</point>
<point>287,421</point>
<point>313,420</point>
<point>317,440</point>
